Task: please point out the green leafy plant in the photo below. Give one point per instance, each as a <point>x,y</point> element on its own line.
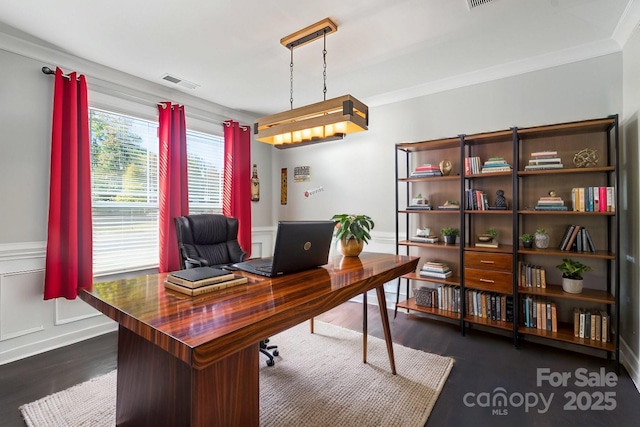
<point>572,269</point>
<point>541,231</point>
<point>450,231</point>
<point>350,226</point>
<point>526,237</point>
<point>493,233</point>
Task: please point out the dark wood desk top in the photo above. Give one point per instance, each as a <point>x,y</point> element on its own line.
<point>203,329</point>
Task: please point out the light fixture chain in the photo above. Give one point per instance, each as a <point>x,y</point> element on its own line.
<point>324,67</point>
<point>291,79</point>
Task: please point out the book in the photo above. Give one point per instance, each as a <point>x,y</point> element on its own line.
<point>436,275</point>
<point>486,244</point>
<point>545,153</point>
<point>544,166</point>
<point>199,276</point>
<point>572,238</point>
<point>238,280</point>
<point>566,236</point>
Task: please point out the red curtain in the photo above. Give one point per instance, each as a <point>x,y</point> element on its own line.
<point>172,178</point>
<point>69,258</point>
<point>236,198</point>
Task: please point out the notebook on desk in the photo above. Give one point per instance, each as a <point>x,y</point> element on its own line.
<point>300,245</point>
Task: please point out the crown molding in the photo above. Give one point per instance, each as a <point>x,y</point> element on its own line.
<point>515,68</point>
<point>628,23</point>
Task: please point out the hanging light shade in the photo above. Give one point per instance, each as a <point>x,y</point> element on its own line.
<point>328,120</point>
<point>323,121</point>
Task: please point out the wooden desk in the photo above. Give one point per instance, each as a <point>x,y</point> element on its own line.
<point>186,361</point>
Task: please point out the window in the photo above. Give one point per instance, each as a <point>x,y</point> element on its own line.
<point>124,170</point>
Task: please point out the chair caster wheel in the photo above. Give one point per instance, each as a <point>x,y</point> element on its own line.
<point>270,362</point>
<point>276,353</point>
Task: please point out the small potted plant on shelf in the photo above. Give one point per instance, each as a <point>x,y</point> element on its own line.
<point>527,240</point>
<point>352,231</point>
<point>572,270</point>
<point>541,239</point>
<point>450,234</point>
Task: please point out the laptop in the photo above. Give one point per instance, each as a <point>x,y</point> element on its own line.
<point>300,245</point>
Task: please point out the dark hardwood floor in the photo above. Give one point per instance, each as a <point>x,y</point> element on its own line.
<point>483,362</point>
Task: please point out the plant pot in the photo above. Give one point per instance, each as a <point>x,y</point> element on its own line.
<point>527,245</point>
<point>351,247</point>
<point>572,286</point>
<point>542,241</point>
<point>450,240</point>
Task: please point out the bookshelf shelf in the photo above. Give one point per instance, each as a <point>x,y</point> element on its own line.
<point>555,291</point>
<point>507,326</point>
<point>565,334</point>
<point>495,268</point>
<point>410,304</point>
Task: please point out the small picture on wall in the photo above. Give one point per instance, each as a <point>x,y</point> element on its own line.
<point>283,186</point>
<point>302,174</point>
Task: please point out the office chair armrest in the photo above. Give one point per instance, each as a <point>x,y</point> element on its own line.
<point>195,262</point>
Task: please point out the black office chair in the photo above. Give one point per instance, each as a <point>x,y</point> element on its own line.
<point>212,240</point>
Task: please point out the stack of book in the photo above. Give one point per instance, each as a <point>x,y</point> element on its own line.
<point>489,305</point>
<point>443,297</point>
<point>550,203</point>
<point>476,200</point>
<point>591,324</point>
<point>202,280</point>
<point>495,164</point>
<point>577,238</point>
<point>431,238</point>
<point>436,270</point>
<point>542,160</point>
<point>425,171</point>
<point>593,199</point>
<point>538,313</point>
<point>531,276</point>
<point>471,165</point>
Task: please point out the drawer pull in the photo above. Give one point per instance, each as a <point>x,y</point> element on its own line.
<point>487,281</point>
<point>487,262</point>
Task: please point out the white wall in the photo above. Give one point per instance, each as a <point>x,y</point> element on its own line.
<point>630,207</point>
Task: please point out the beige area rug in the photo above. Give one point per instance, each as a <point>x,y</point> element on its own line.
<point>318,380</point>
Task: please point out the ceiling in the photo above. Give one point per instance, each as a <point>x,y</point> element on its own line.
<point>383,50</point>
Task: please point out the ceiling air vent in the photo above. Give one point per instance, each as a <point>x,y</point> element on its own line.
<point>179,81</point>
<point>471,4</point>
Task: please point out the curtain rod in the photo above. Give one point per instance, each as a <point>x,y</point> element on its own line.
<point>49,71</point>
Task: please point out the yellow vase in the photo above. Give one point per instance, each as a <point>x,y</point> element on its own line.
<point>351,247</point>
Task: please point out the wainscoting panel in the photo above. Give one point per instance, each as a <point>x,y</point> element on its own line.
<point>20,312</point>
<point>30,325</point>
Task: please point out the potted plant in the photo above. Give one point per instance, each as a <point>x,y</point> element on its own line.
<point>541,239</point>
<point>449,234</point>
<point>527,240</point>
<point>352,231</point>
<point>572,275</point>
<point>488,236</point>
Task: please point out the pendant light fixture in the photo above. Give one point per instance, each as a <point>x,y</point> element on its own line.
<point>328,120</point>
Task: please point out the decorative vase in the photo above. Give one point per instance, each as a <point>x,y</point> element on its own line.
<point>542,240</point>
<point>351,247</point>
<point>445,167</point>
<point>450,240</point>
<point>527,245</point>
<point>572,286</point>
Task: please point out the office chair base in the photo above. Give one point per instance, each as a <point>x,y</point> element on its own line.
<point>264,349</point>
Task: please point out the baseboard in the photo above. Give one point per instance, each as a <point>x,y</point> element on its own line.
<point>58,341</point>
<point>631,362</point>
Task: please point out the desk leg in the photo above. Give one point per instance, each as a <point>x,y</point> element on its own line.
<point>157,389</point>
<point>364,327</point>
<point>384,316</point>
